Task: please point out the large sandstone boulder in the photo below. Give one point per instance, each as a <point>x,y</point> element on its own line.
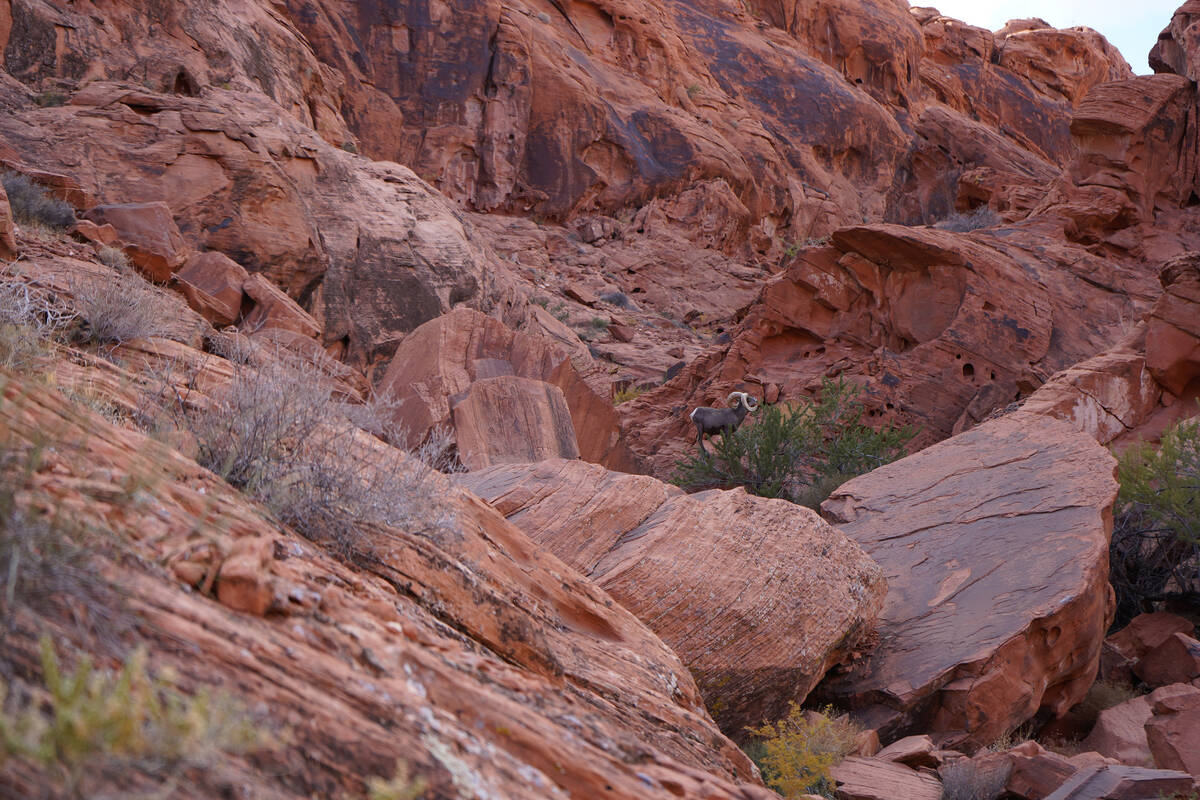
<point>8,238</point>
<point>877,779</point>
<point>1173,335</point>
<point>506,419</point>
<point>973,640</point>
<point>148,234</point>
<point>759,597</point>
<point>444,357</point>
<point>1111,782</point>
<point>1120,731</point>
<point>1173,733</point>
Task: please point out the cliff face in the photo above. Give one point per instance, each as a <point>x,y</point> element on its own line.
<point>481,219</point>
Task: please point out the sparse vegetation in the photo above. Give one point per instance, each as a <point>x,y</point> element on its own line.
<point>30,321</point>
<point>801,453</point>
<point>398,787</point>
<point>114,257</point>
<point>966,779</point>
<point>796,752</point>
<point>350,147</point>
<point>1155,548</point>
<point>120,309</point>
<point>278,434</point>
<point>50,98</point>
<point>627,394</point>
<point>693,89</point>
<point>31,205</point>
<point>618,299</point>
<point>94,721</point>
<point>958,222</point>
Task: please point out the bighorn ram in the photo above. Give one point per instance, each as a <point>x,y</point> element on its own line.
<point>722,420</point>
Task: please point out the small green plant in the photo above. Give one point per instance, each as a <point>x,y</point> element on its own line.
<point>627,394</point>
<point>51,98</point>
<point>398,787</point>
<point>694,89</point>
<point>31,205</point>
<point>618,299</point>
<point>798,750</point>
<point>599,323</point>
<point>801,453</point>
<point>93,718</point>
<point>350,147</point>
<point>1155,547</point>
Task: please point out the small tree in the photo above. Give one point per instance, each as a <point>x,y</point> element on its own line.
<point>1155,550</point>
<point>796,752</point>
<point>800,453</point>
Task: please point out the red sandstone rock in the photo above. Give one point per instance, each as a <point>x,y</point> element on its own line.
<point>759,597</point>
<point>8,239</point>
<point>442,358</point>
<point>875,779</point>
<point>244,582</point>
<point>1122,783</point>
<point>1120,730</point>
<point>103,235</point>
<point>510,419</point>
<point>149,235</point>
<point>1173,734</point>
<point>1173,334</point>
<point>1176,52</point>
<point>1035,772</point>
<point>958,657</point>
<point>469,653</point>
<point>912,751</point>
<point>1147,631</point>
<point>212,283</point>
<point>1175,660</point>
<point>273,309</point>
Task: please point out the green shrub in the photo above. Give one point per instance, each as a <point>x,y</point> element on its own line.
<point>96,719</point>
<point>801,453</point>
<point>32,206</point>
<point>1155,549</point>
<point>798,750</point>
<point>627,394</point>
<point>50,99</point>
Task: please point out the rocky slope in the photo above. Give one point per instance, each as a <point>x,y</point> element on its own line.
<point>474,225</point>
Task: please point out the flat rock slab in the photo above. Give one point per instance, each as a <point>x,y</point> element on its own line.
<point>995,546</point>
<point>876,779</point>
<point>1110,782</point>
<point>505,419</point>
<point>758,597</point>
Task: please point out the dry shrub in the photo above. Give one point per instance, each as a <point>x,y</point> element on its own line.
<point>30,321</point>
<point>798,750</point>
<point>31,205</point>
<point>982,217</point>
<point>121,309</point>
<point>278,434</point>
<point>966,779</point>
<point>113,257</point>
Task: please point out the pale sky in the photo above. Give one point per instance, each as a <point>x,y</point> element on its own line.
<point>1132,27</point>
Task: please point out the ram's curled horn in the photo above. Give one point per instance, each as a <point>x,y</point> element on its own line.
<point>743,398</point>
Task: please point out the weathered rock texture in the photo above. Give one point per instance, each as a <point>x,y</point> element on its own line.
<point>1120,731</point>
<point>506,419</point>
<point>447,356</point>
<point>972,639</point>
<point>759,597</point>
<point>466,651</point>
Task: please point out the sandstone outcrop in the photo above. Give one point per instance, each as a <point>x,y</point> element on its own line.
<point>759,597</point>
<point>958,655</point>
<point>1110,781</point>
<point>1172,732</point>
<point>1120,731</point>
<point>510,419</point>
<point>8,239</point>
<point>148,235</point>
<point>444,357</point>
<point>465,651</point>
<point>876,779</point>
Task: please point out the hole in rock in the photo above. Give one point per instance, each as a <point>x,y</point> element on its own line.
<point>968,371</point>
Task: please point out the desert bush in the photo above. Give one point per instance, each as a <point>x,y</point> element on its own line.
<point>118,310</point>
<point>958,222</point>
<point>618,299</point>
<point>398,787</point>
<point>30,321</point>
<point>1155,548</point>
<point>801,453</point>
<point>31,205</point>
<point>113,257</point>
<point>627,394</point>
<point>98,720</point>
<point>278,434</point>
<point>798,750</point>
<point>50,99</point>
<point>966,779</point>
